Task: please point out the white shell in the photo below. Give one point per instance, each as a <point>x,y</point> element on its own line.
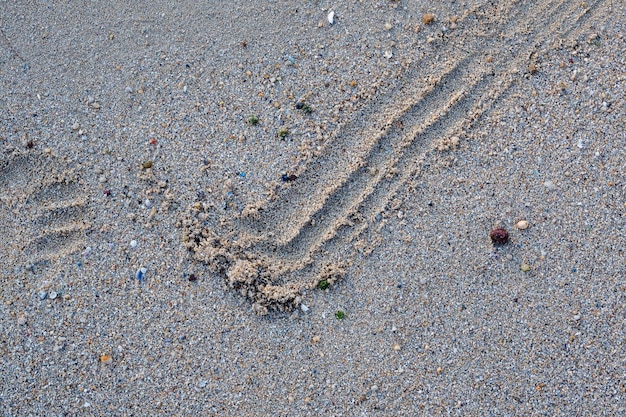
<point>331,17</point>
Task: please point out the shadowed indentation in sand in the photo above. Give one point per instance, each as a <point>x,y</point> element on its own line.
<point>267,251</point>
<point>44,204</point>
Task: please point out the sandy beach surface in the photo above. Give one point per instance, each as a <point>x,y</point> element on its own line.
<point>284,208</point>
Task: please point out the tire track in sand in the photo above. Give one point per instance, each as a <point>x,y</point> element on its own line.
<point>266,252</point>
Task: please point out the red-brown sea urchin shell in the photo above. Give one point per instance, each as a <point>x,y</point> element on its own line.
<point>499,236</point>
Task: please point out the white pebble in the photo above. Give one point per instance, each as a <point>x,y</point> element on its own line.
<point>522,224</point>
<point>43,295</point>
<point>128,89</point>
<point>53,295</point>
<point>331,17</point>
<point>133,243</point>
<point>304,308</point>
<point>76,126</point>
<point>147,203</point>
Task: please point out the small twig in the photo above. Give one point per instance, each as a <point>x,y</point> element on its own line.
<point>11,46</point>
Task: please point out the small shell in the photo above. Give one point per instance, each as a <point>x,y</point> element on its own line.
<point>331,17</point>
<point>522,224</point>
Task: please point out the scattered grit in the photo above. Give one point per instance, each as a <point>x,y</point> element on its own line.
<point>286,208</point>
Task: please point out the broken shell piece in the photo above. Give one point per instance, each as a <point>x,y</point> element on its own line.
<point>331,17</point>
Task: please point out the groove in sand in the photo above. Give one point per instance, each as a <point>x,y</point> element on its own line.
<point>381,156</point>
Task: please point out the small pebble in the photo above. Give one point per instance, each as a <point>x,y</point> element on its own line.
<point>106,359</point>
<point>396,347</point>
<point>522,224</point>
<point>525,267</point>
<point>43,295</point>
<point>133,243</point>
<point>499,236</point>
<point>304,308</point>
<point>428,18</point>
<point>316,339</point>
<point>53,295</point>
<point>21,320</point>
<point>192,278</point>
<point>76,126</point>
<point>140,273</point>
<point>147,165</point>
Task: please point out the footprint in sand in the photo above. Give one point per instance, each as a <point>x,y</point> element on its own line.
<point>43,213</point>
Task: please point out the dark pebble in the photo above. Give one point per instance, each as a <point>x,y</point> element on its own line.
<point>499,236</point>
<point>289,178</point>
